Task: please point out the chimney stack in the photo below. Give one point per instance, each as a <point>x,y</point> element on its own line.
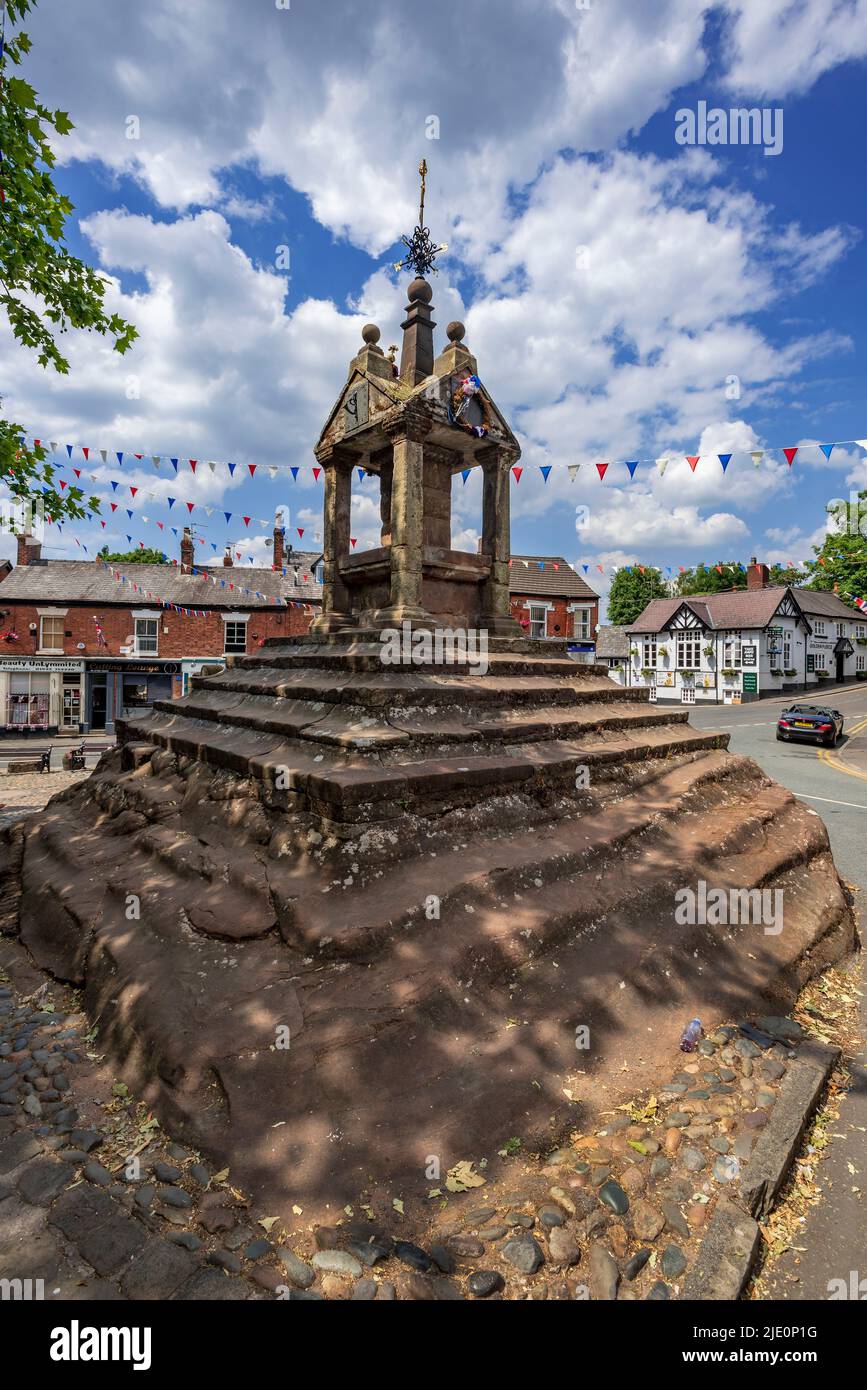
<point>29,551</point>
<point>187,552</point>
<point>227,557</point>
<point>757,575</point>
<point>279,537</point>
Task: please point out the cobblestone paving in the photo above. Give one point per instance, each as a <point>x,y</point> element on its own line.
<point>24,793</point>
<point>110,1208</point>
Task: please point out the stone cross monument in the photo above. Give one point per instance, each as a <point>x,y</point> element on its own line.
<point>414,429</point>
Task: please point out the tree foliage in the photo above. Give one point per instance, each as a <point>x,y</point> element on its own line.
<point>44,290</point>
<point>631,592</point>
<point>143,556</point>
<point>841,563</point>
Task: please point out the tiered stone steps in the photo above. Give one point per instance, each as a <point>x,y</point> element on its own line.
<point>431,880</point>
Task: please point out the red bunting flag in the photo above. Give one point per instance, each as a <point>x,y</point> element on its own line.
<point>246,521</point>
<point>102,524</point>
<point>113,506</point>
<point>353,542</point>
<point>300,530</point>
<point>692,460</point>
<point>160,524</point>
<point>63,485</point>
<point>86,452</point>
<point>316,473</point>
<point>192,463</point>
<point>77,472</point>
<point>190,506</point>
<point>517,474</point>
<point>790,456</point>
<point>252,467</point>
<point>133,491</point>
<point>602,469</point>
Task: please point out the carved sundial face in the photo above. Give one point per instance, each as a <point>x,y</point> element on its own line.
<point>355,407</point>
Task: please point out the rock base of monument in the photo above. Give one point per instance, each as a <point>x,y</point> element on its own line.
<point>332,918</point>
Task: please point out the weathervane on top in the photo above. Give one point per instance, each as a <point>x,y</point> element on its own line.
<point>421,251</point>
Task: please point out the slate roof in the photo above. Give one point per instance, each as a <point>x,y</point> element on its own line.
<point>612,641</point>
<point>88,581</point>
<point>742,608</point>
<point>547,581</point>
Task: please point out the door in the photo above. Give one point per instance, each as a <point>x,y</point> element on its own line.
<point>98,707</point>
<point>841,667</point>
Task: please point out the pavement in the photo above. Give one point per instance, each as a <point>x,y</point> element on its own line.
<point>833,1243</point>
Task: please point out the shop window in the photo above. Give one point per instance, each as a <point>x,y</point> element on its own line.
<point>146,636</point>
<point>27,704</point>
<point>235,639</point>
<point>51,630</point>
<point>135,695</point>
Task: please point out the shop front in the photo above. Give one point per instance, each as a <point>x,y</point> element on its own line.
<point>40,696</point>
<point>120,689</point>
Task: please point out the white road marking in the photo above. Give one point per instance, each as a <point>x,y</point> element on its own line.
<point>857,805</point>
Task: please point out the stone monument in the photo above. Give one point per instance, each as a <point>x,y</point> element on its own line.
<point>333,914</point>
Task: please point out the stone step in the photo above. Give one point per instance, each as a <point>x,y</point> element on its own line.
<point>344,787</point>
<point>323,723</point>
<point>393,689</point>
<point>368,656</point>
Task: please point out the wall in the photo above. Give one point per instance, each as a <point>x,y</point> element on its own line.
<point>559,614</point>
<point>179,636</point>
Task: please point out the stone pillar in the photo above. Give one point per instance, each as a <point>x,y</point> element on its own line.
<point>407,523</point>
<point>336,525</point>
<point>438,465</point>
<point>496,461</point>
<point>382,464</point>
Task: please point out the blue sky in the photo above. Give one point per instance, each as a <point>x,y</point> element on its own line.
<point>612,280</point>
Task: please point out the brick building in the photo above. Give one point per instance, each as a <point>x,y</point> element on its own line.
<point>82,643</point>
<point>550,600</point>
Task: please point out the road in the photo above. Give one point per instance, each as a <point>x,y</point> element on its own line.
<point>833,1242</point>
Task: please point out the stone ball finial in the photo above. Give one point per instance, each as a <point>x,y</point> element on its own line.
<point>455,331</point>
<point>371,334</point>
<point>420,290</point>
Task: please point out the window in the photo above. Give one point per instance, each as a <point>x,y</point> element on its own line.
<point>650,653</point>
<point>28,702</point>
<point>687,695</point>
<point>51,631</point>
<point>732,653</point>
<point>860,630</point>
<point>146,636</point>
<point>861,663</point>
<point>787,651</point>
<point>841,629</point>
<point>581,624</point>
<point>235,639</point>
<point>819,629</point>
<point>135,692</point>
<point>538,619</point>
<point>688,653</point>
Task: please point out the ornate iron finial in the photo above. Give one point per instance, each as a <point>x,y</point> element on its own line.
<point>421,251</point>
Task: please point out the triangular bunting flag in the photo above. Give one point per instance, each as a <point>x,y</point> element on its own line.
<point>545,470</point>
<point>316,473</point>
<point>790,455</point>
<point>573,471</point>
<point>827,450</point>
<point>602,469</point>
<point>252,467</point>
<point>662,464</point>
<point>516,473</point>
<point>757,455</point>
<point>465,473</point>
<point>692,460</point>
<point>725,460</point>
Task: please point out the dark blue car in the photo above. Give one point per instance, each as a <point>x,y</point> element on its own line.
<point>815,723</point>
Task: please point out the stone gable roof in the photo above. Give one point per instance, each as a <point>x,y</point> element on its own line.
<point>540,577</point>
<point>612,641</point>
<point>88,581</point>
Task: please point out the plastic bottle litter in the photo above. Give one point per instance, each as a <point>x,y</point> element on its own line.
<point>691,1035</point>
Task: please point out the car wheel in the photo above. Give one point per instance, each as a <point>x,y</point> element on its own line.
<point>830,741</point>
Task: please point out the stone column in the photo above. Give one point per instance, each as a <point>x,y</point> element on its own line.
<point>496,461</point>
<point>407,523</point>
<point>336,604</point>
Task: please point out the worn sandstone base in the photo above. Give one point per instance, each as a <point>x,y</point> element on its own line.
<point>333,919</point>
